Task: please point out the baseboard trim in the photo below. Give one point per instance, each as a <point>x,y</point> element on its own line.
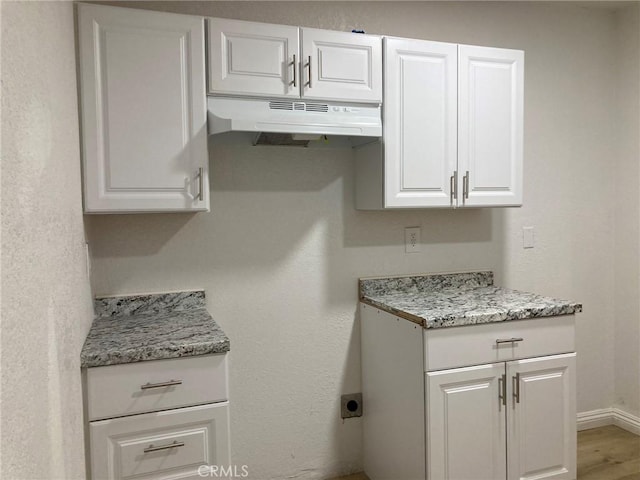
<point>608,416</point>
<point>626,420</point>
<point>595,418</point>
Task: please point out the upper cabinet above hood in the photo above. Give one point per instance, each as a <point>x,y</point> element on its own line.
<point>289,79</point>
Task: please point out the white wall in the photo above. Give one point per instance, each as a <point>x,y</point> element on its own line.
<point>281,252</point>
<point>627,231</point>
<point>46,300</point>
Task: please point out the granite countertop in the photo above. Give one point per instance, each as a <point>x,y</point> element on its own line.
<point>455,299</point>
<point>151,327</point>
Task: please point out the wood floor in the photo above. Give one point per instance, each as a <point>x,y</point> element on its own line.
<point>606,453</point>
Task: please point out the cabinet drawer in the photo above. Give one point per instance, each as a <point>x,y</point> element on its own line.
<point>169,444</point>
<point>132,388</point>
<point>476,344</point>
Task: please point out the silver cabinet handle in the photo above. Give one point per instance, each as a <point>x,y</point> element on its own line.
<point>502,389</point>
<point>509,340</point>
<point>452,187</point>
<point>200,184</point>
<point>151,448</point>
<point>294,71</point>
<point>516,387</point>
<point>309,65</point>
<point>465,185</point>
<point>170,383</point>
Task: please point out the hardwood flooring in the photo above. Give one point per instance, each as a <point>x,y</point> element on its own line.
<point>606,453</point>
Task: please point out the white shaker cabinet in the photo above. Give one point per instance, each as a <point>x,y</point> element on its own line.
<point>452,131</point>
<point>260,59</point>
<point>143,110</point>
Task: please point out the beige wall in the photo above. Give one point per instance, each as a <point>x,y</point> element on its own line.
<point>627,246</point>
<point>280,253</point>
<point>46,307</point>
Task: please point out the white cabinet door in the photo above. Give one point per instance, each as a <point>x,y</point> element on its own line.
<point>420,130</point>
<point>341,66</point>
<point>164,445</point>
<point>466,435</point>
<point>247,58</point>
<point>541,429</point>
<point>490,126</point>
<point>144,108</point>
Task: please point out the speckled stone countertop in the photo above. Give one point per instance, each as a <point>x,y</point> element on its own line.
<point>455,299</point>
<point>151,327</point>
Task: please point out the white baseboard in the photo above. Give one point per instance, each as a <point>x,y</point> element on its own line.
<point>608,416</point>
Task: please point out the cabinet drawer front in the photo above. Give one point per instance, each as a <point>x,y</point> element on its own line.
<point>133,388</point>
<point>476,344</point>
<point>173,443</point>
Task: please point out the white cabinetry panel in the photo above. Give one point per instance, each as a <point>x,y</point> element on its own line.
<point>420,122</point>
<point>169,444</point>
<point>491,82</point>
<point>143,110</point>
<point>542,418</point>
<point>253,58</point>
<point>341,66</point>
<point>466,436</point>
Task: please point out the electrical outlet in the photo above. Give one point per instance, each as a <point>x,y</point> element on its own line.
<point>412,239</point>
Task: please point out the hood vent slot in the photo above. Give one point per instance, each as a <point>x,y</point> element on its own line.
<point>298,106</point>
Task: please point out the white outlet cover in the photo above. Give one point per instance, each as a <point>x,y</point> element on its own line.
<point>412,239</point>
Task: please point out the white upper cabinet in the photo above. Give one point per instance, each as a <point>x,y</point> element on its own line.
<point>143,105</point>
<point>453,128</point>
<point>341,66</point>
<point>419,122</point>
<point>253,58</point>
<point>260,59</point>
<point>490,126</point>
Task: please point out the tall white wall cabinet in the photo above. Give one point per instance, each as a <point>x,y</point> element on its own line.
<point>454,404</point>
<point>453,127</point>
<point>247,58</point>
<point>143,108</point>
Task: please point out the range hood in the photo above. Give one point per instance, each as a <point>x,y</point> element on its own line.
<point>302,118</point>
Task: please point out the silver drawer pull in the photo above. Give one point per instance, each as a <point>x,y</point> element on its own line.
<point>509,340</point>
<point>151,448</point>
<point>170,383</point>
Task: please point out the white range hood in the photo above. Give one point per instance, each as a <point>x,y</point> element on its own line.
<point>227,114</point>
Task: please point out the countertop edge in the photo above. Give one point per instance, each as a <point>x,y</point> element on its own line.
<point>570,308</point>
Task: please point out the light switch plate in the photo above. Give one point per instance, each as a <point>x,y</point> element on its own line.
<point>528,237</point>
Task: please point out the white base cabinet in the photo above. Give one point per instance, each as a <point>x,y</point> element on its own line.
<point>160,419</point>
<point>453,404</point>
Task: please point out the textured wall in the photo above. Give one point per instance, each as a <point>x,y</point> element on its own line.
<point>46,307</point>
<point>627,227</point>
<point>280,253</point>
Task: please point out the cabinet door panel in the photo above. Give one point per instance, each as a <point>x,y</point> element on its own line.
<point>343,66</point>
<point>143,110</point>
<point>247,58</point>
<point>420,122</point>
<point>541,427</point>
<point>466,424</point>
<point>162,445</point>
<point>490,125</point>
